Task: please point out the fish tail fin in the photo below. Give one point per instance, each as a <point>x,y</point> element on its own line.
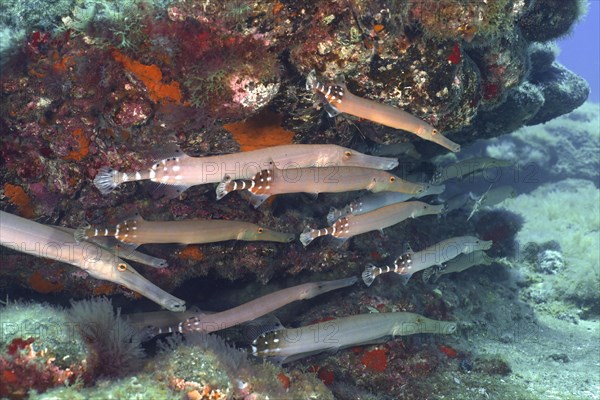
<point>308,235</point>
<point>430,275</point>
<point>443,211</point>
<point>107,180</point>
<point>369,274</point>
<point>81,233</point>
<point>311,80</point>
<point>227,185</point>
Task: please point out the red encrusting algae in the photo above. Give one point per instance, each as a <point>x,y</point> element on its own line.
<point>323,373</point>
<point>260,131</point>
<point>284,379</point>
<point>448,351</point>
<point>17,196</point>
<point>375,360</point>
<point>43,285</point>
<point>192,253</point>
<point>152,77</point>
<point>83,146</point>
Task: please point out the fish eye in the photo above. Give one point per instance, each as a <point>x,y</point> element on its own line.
<point>347,153</point>
<point>260,230</point>
<point>434,131</point>
<point>122,267</point>
<point>392,179</point>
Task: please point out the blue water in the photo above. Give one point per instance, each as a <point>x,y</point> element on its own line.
<point>580,51</point>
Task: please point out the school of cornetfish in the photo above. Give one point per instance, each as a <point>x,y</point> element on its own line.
<point>308,168</point>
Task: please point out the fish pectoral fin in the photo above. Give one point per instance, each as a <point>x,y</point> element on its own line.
<point>168,150</point>
<point>160,191</point>
<point>406,249</point>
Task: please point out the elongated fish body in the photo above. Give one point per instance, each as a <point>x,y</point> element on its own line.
<point>263,305</point>
<point>198,321</point>
<point>460,263</point>
<point>492,197</point>
<point>317,180</point>
<point>139,231</point>
<point>438,254</point>
<point>458,202</point>
<point>40,240</point>
<point>374,201</point>
<point>466,167</point>
<point>287,345</point>
<point>384,217</point>
<point>341,100</point>
<point>497,195</point>
<point>114,247</point>
<point>395,149</point>
<point>183,171</point>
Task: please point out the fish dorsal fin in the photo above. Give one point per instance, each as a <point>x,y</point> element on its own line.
<point>333,215</point>
<point>340,80</point>
<point>168,150</point>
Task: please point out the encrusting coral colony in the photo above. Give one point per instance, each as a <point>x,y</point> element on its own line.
<point>337,96</point>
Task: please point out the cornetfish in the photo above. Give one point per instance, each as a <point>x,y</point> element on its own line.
<point>374,201</point>
<point>40,240</point>
<point>411,262</point>
<point>263,305</point>
<point>458,264</point>
<point>183,171</point>
<point>139,231</point>
<point>317,180</point>
<point>163,322</point>
<point>340,100</point>
<point>287,345</point>
<point>376,220</point>
<point>115,247</point>
<point>466,167</point>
